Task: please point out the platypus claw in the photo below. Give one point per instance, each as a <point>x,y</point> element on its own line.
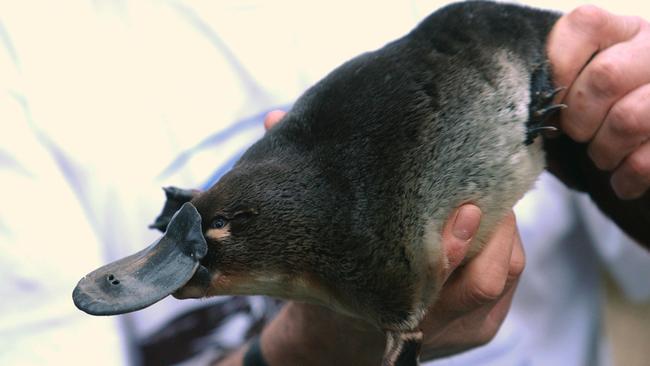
<point>544,113</point>
<point>549,95</point>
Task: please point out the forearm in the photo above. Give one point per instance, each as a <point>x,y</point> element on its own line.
<point>311,335</point>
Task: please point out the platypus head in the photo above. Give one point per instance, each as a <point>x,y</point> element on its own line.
<point>260,223</point>
<point>253,232</point>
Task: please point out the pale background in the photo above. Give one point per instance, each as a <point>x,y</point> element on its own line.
<point>135,54</point>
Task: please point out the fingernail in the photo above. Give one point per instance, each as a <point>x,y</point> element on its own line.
<point>466,223</point>
<point>623,187</point>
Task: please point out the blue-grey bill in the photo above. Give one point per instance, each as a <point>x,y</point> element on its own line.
<point>146,277</point>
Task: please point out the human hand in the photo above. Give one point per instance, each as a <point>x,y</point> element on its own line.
<point>473,303</point>
<point>603,59</point>
<point>476,298</point>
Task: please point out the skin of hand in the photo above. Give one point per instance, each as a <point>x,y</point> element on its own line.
<point>473,303</point>
<point>603,60</point>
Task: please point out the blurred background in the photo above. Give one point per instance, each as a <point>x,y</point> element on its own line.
<point>103,102</point>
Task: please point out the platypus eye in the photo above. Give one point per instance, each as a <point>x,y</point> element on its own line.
<point>218,222</point>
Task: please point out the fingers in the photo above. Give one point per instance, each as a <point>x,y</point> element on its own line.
<point>485,278</point>
<point>577,36</point>
<point>476,300</point>
<point>625,128</point>
<point>272,118</point>
<point>622,144</point>
<point>632,178</point>
<point>457,234</point>
<point>604,58</point>
<point>498,310</point>
<point>517,261</point>
<point>617,68</point>
<point>611,75</point>
<point>485,319</point>
<point>496,314</point>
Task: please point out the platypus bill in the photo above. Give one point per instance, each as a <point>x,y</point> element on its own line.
<point>342,203</point>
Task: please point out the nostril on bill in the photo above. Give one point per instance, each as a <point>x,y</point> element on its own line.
<point>112,280</point>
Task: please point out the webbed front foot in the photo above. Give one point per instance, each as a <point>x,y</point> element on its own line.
<point>541,107</point>
<point>541,110</point>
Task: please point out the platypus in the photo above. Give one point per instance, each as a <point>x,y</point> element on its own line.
<point>342,203</point>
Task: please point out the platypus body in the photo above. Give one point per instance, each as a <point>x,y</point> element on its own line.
<point>343,202</point>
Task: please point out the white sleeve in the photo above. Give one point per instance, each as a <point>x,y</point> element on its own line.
<point>627,261</point>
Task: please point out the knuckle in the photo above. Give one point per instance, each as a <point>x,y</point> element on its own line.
<point>576,123</point>
<point>588,17</point>
<point>637,25</point>
<point>624,120</point>
<point>640,22</point>
<point>486,290</point>
<point>644,25</point>
<point>600,158</point>
<point>486,335</point>
<point>580,132</point>
<point>639,165</point>
<point>604,77</point>
<point>516,268</point>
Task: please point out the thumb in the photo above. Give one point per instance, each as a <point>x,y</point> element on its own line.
<point>272,118</point>
<point>457,234</point>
